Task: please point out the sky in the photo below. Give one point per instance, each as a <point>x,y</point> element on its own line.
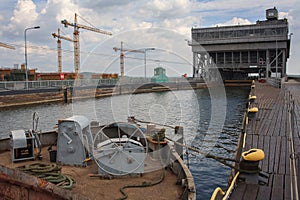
<point>164,25</point>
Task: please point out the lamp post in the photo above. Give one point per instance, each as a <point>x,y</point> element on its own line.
<point>276,54</point>
<point>145,50</point>
<point>26,73</point>
<point>290,37</point>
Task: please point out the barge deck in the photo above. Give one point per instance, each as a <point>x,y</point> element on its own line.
<point>99,188</point>
<point>164,176</point>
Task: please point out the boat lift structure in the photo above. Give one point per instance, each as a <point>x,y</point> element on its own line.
<point>241,50</point>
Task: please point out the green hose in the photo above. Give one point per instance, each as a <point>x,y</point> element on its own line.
<point>144,184</point>
<point>49,172</point>
<point>68,184</point>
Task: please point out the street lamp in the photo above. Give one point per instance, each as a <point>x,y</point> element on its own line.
<point>145,50</point>
<point>26,73</point>
<point>276,59</point>
<point>291,35</point>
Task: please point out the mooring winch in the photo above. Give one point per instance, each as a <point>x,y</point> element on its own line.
<point>121,149</point>
<point>74,141</point>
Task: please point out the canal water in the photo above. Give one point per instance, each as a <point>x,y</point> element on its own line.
<point>195,110</point>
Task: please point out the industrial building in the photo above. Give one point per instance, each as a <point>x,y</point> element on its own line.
<point>242,51</point>
<point>159,75</point>
<point>15,74</point>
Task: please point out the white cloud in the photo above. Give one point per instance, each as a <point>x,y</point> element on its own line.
<point>168,9</point>
<point>24,14</point>
<point>282,15</point>
<point>235,21</point>
<point>144,23</point>
<point>165,5</point>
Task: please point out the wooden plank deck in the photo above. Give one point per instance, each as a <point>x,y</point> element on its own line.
<point>269,130</point>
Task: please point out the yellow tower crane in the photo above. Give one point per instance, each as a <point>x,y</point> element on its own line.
<point>122,50</point>
<point>76,38</point>
<point>59,52</point>
<point>6,46</point>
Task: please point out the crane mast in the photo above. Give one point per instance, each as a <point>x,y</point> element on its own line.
<point>76,38</point>
<point>59,51</point>
<point>122,50</point>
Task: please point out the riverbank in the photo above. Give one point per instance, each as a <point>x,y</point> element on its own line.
<point>17,98</point>
<point>68,94</point>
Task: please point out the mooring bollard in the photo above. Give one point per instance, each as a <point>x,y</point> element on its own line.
<point>249,165</point>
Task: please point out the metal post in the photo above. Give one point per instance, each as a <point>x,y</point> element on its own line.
<point>26,73</point>
<point>268,63</point>
<point>194,64</point>
<point>145,64</point>
<point>122,61</point>
<point>276,60</point>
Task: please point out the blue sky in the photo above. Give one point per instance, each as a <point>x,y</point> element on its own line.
<point>138,23</point>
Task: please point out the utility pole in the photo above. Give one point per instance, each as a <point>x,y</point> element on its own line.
<point>26,72</point>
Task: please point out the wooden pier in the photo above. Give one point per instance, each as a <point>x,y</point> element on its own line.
<point>275,129</point>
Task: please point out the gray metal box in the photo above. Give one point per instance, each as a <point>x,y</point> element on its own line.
<point>74,141</point>
<point>22,145</point>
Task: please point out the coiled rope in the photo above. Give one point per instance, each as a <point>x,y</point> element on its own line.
<point>49,172</point>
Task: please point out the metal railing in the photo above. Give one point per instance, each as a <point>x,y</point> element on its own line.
<point>21,85</point>
<point>293,141</point>
<point>275,82</point>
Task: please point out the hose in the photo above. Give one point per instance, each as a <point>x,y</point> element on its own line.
<point>49,172</point>
<point>144,184</point>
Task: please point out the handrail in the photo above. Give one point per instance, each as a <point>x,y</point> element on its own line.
<point>228,192</point>
<point>216,192</point>
<point>20,85</point>
<point>293,170</point>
